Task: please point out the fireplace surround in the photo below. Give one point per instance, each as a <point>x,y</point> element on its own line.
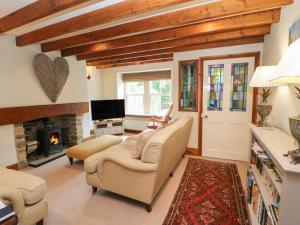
<point>68,115</point>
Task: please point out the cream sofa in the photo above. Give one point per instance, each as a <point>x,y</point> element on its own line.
<point>114,170</point>
<point>25,193</point>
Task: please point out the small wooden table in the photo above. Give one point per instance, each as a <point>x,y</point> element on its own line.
<point>13,220</point>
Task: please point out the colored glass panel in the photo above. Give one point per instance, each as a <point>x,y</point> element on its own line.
<point>188,85</point>
<point>239,85</point>
<point>215,84</point>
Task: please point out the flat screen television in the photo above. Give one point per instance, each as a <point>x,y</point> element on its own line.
<point>108,109</point>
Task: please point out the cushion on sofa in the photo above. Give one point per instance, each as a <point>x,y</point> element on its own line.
<point>32,187</point>
<point>152,150</point>
<point>86,149</point>
<point>141,141</point>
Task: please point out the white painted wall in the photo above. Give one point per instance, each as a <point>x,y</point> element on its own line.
<point>94,93</point>
<point>110,82</point>
<point>20,87</point>
<point>8,154</point>
<point>285,104</point>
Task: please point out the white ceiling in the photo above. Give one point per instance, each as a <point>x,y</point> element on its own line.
<point>9,6</point>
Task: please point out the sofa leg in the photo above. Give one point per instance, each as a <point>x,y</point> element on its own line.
<point>94,189</point>
<point>183,156</point>
<point>71,161</point>
<point>41,222</point>
<point>148,207</point>
<point>171,174</point>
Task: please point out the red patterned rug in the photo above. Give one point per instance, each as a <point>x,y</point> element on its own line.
<point>210,193</point>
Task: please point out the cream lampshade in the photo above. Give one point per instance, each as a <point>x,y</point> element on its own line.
<point>263,77</point>
<point>288,69</point>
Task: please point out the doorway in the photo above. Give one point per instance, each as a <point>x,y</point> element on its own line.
<point>226,105</point>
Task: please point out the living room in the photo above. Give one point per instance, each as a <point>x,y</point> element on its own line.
<point>149,112</point>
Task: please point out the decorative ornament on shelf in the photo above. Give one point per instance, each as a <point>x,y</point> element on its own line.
<point>295,131</point>
<point>262,79</point>
<point>51,75</point>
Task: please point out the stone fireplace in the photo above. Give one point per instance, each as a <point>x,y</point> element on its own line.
<point>67,128</point>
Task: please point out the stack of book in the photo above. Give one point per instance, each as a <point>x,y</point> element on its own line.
<point>5,212</point>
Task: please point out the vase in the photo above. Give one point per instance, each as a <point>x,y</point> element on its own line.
<point>263,111</point>
<point>295,131</point>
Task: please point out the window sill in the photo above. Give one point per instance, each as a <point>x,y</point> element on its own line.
<point>139,115</point>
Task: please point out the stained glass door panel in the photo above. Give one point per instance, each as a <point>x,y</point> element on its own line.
<point>239,85</point>
<point>215,86</point>
<point>188,78</point>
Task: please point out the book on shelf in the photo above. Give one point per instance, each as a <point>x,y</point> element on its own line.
<point>5,211</point>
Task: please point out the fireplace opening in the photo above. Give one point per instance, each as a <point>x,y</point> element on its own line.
<point>43,140</point>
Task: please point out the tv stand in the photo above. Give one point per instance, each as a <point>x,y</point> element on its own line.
<point>110,126</point>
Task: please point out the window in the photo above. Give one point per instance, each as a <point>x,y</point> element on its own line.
<point>148,96</point>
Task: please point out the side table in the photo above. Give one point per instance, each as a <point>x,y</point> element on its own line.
<point>13,220</point>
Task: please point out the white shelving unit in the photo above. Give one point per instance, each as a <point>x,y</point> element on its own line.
<point>276,143</point>
<point>113,126</point>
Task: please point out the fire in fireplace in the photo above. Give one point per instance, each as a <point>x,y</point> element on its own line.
<point>54,139</point>
<point>49,139</point>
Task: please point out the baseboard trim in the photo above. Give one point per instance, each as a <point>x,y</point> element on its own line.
<point>133,131</point>
<point>192,151</point>
<point>13,167</point>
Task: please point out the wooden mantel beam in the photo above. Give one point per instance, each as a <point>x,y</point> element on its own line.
<point>134,63</point>
<point>35,11</point>
<point>242,41</point>
<point>145,58</point>
<point>94,18</point>
<point>13,115</point>
<point>221,36</point>
<point>219,9</point>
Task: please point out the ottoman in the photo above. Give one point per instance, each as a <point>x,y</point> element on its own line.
<point>86,149</point>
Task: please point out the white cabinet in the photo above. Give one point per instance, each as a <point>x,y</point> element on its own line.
<point>114,126</point>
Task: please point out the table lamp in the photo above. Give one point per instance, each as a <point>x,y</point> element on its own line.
<point>262,79</point>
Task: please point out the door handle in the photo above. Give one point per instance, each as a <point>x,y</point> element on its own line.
<point>204,115</point>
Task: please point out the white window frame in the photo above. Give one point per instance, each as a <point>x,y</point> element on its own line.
<point>146,97</point>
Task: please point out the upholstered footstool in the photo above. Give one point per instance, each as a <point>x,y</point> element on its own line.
<point>86,149</point>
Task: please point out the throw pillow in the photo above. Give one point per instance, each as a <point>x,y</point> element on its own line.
<point>143,138</point>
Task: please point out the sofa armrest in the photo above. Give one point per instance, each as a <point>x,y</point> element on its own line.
<point>133,137</point>
<point>131,164</point>
<point>14,198</point>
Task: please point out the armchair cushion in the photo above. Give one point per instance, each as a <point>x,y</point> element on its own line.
<point>143,138</point>
<point>32,188</point>
<point>14,198</point>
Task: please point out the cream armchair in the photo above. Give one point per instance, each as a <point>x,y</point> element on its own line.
<point>25,194</point>
<point>140,179</point>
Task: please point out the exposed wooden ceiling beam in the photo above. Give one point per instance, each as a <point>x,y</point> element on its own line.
<point>144,58</point>
<point>181,38</point>
<point>214,10</point>
<point>94,18</point>
<point>134,63</point>
<point>35,11</point>
<point>222,25</point>
<point>247,32</point>
<point>242,41</point>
